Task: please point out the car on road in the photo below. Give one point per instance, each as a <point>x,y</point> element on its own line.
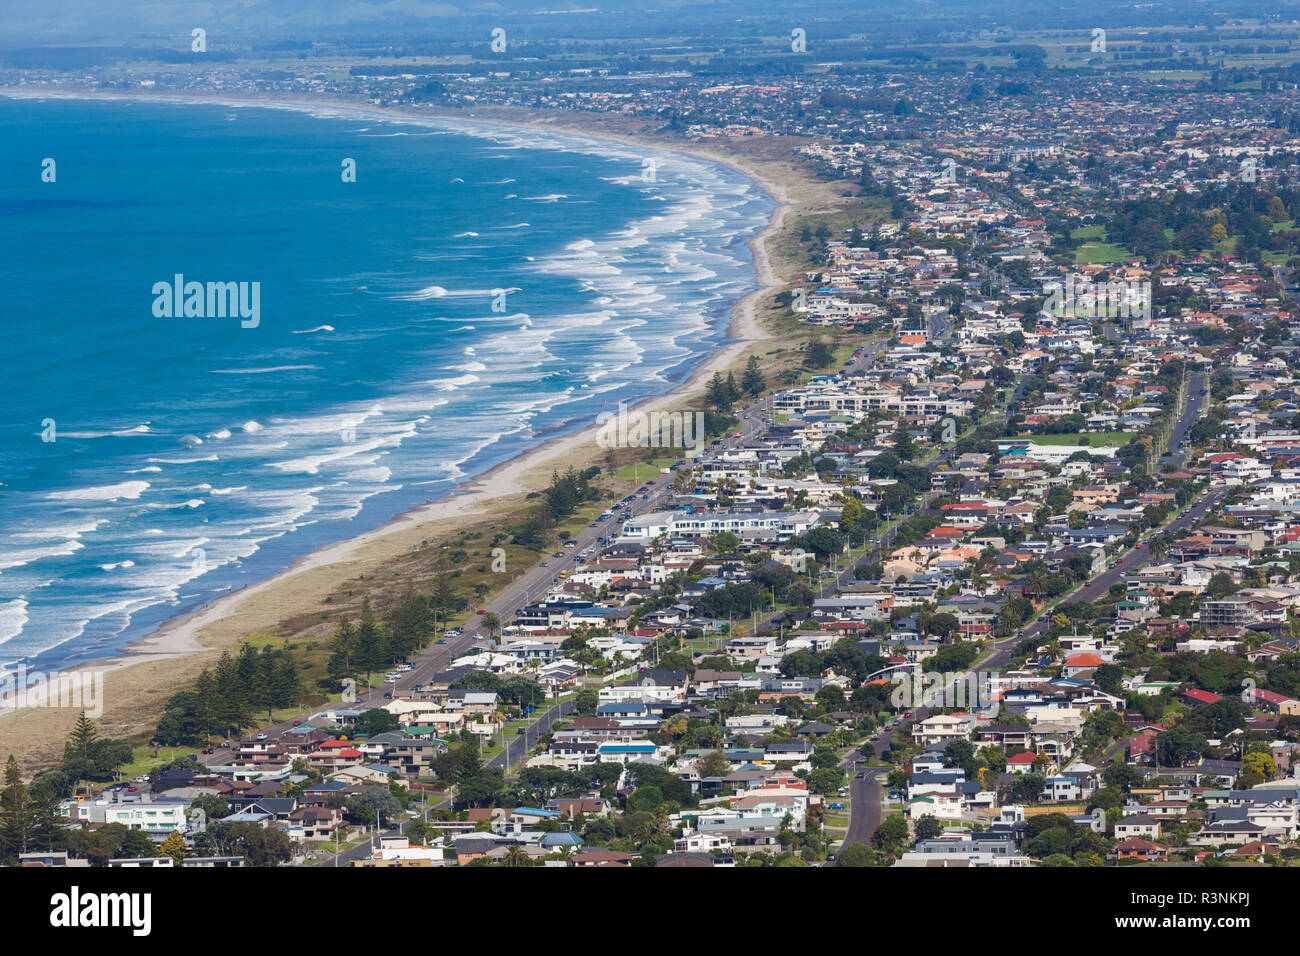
<point>521,731</point>
<point>558,554</point>
<point>480,612</point>
<point>546,564</point>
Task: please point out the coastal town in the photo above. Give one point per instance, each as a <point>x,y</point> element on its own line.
<point>985,554</point>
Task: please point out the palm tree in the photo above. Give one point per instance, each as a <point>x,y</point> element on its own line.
<point>492,624</point>
<point>515,856</point>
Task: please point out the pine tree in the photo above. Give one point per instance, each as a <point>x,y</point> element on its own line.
<point>717,393</point>
<point>16,812</point>
<point>205,703</point>
<point>752,381</point>
<point>345,639</point>
<point>903,443</point>
<point>370,642</point>
<point>83,735</point>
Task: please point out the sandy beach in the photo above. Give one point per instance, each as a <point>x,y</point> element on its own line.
<point>137,682</point>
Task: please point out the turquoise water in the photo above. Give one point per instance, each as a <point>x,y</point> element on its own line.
<point>474,290</point>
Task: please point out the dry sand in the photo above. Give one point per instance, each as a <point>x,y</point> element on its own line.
<point>137,683</point>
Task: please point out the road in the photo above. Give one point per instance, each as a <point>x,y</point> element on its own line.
<point>864,808</point>
<point>533,584</point>
<point>518,746</point>
<point>1197,394</point>
<point>1097,586</point>
<point>864,794</point>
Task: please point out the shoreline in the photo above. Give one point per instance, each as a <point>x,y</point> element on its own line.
<point>167,659</point>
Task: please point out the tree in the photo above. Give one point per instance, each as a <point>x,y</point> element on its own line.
<point>214,806</point>
<point>376,803</point>
<point>174,847</point>
<point>1177,746</point>
<point>260,847</point>
<point>850,515</point>
<point>375,721</point>
<point>855,854</point>
<point>515,856</point>
<point>1259,763</point>
<point>927,828</point>
<point>891,833</point>
<point>904,448</point>
<point>713,764</point>
<point>80,740</point>
<point>826,780</point>
<point>1028,787</point>
<point>752,381</point>
<point>17,820</point>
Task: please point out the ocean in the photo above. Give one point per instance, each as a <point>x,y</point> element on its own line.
<point>474,290</point>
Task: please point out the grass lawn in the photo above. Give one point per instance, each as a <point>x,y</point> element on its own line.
<point>644,470</point>
<point>1082,438</point>
<point>1100,253</point>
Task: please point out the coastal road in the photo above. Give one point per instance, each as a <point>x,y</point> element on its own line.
<point>870,352</point>
<point>533,585</point>
<point>529,587</point>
